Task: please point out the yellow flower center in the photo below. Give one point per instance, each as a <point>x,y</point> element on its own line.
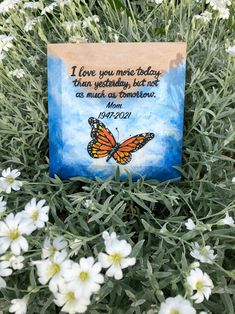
<point>70,297</point>
<point>14,234</point>
<point>115,258</point>
<point>53,269</point>
<point>10,180</point>
<point>173,311</point>
<point>199,285</point>
<point>35,215</point>
<point>84,276</point>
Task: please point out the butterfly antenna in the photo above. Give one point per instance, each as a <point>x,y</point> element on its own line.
<point>117,133</point>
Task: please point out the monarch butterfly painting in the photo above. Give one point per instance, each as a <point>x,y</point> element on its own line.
<point>103,143</point>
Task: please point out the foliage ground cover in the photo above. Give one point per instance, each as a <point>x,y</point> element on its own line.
<point>179,232</point>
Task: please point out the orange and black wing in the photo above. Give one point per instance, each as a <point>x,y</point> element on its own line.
<point>124,152</point>
<point>102,141</point>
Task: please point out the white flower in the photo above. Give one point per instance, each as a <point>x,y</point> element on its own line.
<point>87,203</point>
<point>204,16</point>
<point>224,13</point>
<point>231,51</point>
<point>19,73</point>
<point>88,21</point>
<point>31,5</point>
<point>116,259</point>
<point>4,272</point>
<point>85,276</point>
<point>8,180</point>
<point>49,249</point>
<point>176,305</point>
<point>221,7</point>
<point>7,5</point>
<point>53,270</point>
<point>75,246</point>
<point>2,205</point>
<point>30,24</point>
<point>70,300</point>
<point>19,306</point>
<point>5,42</point>
<point>203,312</point>
<point>109,238</point>
<point>49,8</point>
<point>36,212</point>
<point>12,231</point>
<point>201,282</point>
<point>163,229</point>
<point>203,254</point>
<point>158,1</point>
<point>16,262</point>
<point>190,225</point>
<point>228,220</point>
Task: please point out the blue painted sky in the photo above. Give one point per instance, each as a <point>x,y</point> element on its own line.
<point>70,132</point>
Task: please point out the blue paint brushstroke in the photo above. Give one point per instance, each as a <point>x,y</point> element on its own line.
<point>69,131</point>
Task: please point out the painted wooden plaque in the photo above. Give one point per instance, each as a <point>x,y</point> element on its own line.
<point>116,104</point>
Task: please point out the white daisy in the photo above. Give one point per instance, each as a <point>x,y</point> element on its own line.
<point>19,306</point>
<point>8,180</point>
<point>31,5</point>
<point>12,230</point>
<point>49,8</point>
<point>203,254</point>
<point>190,225</point>
<point>7,5</point>
<point>109,238</point>
<point>231,51</point>
<point>4,272</point>
<point>19,73</point>
<point>89,20</point>
<point>228,220</point>
<point>201,282</point>
<point>36,212</point>
<point>75,246</point>
<point>204,16</point>
<point>85,276</point>
<point>2,205</point>
<point>176,305</point>
<point>87,203</point>
<point>5,42</point>
<point>16,262</point>
<point>116,259</point>
<point>70,300</point>
<point>53,270</point>
<point>30,24</point>
<point>49,249</point>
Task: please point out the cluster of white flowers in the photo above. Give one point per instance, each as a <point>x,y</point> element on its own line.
<point>5,45</point>
<point>89,20</point>
<point>8,5</point>
<point>73,283</point>
<point>14,228</point>
<point>221,6</point>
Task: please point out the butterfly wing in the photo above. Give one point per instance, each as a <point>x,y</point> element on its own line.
<point>102,141</point>
<point>124,152</point>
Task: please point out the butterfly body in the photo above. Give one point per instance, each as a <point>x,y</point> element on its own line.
<point>103,143</point>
